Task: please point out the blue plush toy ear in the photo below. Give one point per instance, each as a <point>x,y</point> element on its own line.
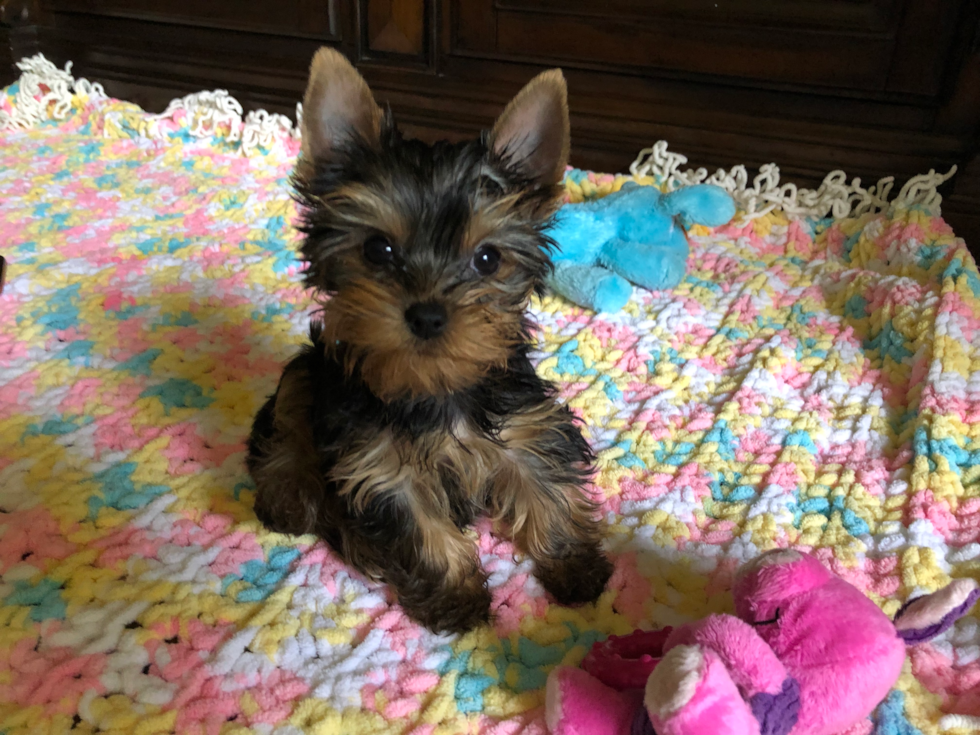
<point>702,204</point>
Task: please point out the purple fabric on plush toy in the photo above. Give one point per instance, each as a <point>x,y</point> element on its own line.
<point>807,654</point>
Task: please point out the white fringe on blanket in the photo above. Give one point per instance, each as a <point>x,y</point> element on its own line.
<point>45,92</point>
<point>834,195</point>
<point>31,102</point>
<point>207,110</point>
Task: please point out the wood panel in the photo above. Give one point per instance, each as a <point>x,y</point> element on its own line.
<point>307,18</point>
<point>961,205</point>
<point>395,27</point>
<point>18,36</point>
<point>928,47</point>
<point>762,15</point>
<point>844,45</point>
<point>8,72</point>
<point>840,61</point>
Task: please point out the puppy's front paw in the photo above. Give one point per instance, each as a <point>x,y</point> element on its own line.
<point>447,609</point>
<point>577,577</point>
<point>280,516</point>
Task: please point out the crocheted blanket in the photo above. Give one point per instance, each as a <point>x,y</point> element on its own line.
<point>814,382</point>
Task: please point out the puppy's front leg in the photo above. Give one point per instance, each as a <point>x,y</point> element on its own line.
<point>399,527</point>
<point>282,456</point>
<point>437,574</point>
<point>538,492</point>
<point>553,524</point>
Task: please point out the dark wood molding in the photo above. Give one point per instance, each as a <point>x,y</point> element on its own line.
<point>18,35</point>
<point>14,13</point>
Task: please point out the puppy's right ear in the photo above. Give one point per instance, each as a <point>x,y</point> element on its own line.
<point>338,108</point>
<point>532,133</point>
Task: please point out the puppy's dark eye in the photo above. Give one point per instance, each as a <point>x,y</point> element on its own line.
<point>486,260</point>
<point>378,250</point>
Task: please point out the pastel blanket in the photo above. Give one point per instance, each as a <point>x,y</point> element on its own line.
<point>811,383</point>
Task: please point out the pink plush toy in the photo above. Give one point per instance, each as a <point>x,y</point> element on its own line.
<point>808,654</point>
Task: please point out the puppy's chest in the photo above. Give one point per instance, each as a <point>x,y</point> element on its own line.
<point>432,462</point>
<point>461,443</point>
<point>466,461</point>
<point>432,453</point>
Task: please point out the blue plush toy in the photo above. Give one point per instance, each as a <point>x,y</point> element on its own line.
<point>636,235</point>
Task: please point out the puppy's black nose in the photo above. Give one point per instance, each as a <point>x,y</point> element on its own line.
<point>426,320</point>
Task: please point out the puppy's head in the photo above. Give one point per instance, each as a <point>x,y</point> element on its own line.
<point>429,254</point>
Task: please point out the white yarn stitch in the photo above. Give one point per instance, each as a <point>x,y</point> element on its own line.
<point>97,629</point>
<point>29,108</point>
<point>299,120</point>
<point>834,196</point>
<point>42,84</point>
<point>959,722</point>
<point>207,111</point>
<point>262,129</point>
<point>37,71</point>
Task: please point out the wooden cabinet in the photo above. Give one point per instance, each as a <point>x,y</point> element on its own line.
<point>876,87</point>
<point>849,45</point>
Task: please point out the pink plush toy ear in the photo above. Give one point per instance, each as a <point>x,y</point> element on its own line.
<point>576,703</point>
<point>926,617</point>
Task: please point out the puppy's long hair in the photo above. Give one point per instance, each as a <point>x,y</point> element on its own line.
<point>416,407</point>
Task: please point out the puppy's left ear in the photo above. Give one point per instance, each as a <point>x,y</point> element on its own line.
<point>532,133</point>
<point>338,109</point>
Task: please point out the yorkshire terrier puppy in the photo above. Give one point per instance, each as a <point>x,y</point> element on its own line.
<point>415,407</point>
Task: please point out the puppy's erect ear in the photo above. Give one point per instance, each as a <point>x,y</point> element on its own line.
<point>338,107</point>
<point>532,133</point>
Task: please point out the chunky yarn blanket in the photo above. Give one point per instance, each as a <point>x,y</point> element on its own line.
<point>814,382</point>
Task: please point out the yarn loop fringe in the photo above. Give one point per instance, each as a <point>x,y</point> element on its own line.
<point>834,197</point>
<point>45,92</point>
